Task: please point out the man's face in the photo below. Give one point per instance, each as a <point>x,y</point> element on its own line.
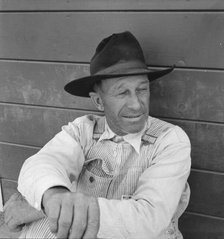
<point>125,103</point>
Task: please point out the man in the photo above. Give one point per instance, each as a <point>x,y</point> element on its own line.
<point>122,175</point>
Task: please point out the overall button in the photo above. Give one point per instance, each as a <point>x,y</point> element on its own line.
<point>91,179</point>
<point>170,231</point>
<point>115,153</point>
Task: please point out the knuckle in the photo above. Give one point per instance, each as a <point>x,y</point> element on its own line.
<point>67,202</point>
<point>54,199</point>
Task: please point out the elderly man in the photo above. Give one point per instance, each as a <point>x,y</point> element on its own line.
<point>122,175</point>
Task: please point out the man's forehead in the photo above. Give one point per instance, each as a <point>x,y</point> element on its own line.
<point>126,81</point>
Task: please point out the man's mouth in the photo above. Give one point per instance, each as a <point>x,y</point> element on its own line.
<point>132,116</point>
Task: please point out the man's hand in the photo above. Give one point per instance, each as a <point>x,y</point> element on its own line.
<point>18,212</point>
<point>71,215</point>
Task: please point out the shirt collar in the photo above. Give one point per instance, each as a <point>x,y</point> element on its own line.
<point>133,139</point>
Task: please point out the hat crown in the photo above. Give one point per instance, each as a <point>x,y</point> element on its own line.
<point>117,48</point>
<point>119,55</point>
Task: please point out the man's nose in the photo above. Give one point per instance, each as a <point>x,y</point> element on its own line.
<point>134,102</point>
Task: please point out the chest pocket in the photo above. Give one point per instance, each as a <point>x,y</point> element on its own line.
<point>102,176</point>
<point>93,180</point>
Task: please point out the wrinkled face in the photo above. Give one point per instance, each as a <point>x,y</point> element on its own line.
<point>125,102</point>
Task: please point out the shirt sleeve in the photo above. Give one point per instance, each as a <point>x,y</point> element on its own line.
<point>155,201</point>
<point>59,161</point>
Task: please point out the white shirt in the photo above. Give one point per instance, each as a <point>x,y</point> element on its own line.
<point>154,192</point>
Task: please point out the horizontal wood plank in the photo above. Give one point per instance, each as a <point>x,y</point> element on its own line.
<point>91,5</point>
<point>12,158</point>
<point>184,94</point>
<point>33,126</point>
<point>195,226</point>
<point>66,36</point>
<point>207,144</point>
<point>36,125</point>
<point>207,193</point>
<point>41,84</point>
<point>189,94</point>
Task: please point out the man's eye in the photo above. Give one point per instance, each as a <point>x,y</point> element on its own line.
<point>123,92</point>
<point>142,89</point>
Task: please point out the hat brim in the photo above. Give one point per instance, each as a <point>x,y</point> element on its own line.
<point>83,86</point>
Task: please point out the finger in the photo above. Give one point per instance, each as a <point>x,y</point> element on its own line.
<point>65,220</point>
<point>79,220</point>
<point>93,220</point>
<point>53,216</point>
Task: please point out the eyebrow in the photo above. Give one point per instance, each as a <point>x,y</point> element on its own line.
<point>122,85</point>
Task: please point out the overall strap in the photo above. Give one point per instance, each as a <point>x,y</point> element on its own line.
<point>99,127</point>
<point>157,128</point>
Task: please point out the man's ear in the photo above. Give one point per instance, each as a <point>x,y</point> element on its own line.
<point>97,101</point>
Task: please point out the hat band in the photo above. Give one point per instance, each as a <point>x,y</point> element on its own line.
<point>123,68</point>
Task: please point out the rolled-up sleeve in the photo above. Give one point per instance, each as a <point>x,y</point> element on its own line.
<point>59,160</point>
<point>148,213</point>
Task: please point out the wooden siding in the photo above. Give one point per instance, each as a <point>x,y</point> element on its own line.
<point>99,5</point>
<point>44,44</point>
<point>198,226</point>
<point>186,94</point>
<point>185,39</point>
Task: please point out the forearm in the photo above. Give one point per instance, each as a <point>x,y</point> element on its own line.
<point>131,219</point>
<point>37,177</point>
<point>53,165</point>
<point>137,218</point>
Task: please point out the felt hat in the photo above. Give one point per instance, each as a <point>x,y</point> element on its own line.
<point>118,55</point>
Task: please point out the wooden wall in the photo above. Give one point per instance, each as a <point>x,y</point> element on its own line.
<point>42,43</point>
